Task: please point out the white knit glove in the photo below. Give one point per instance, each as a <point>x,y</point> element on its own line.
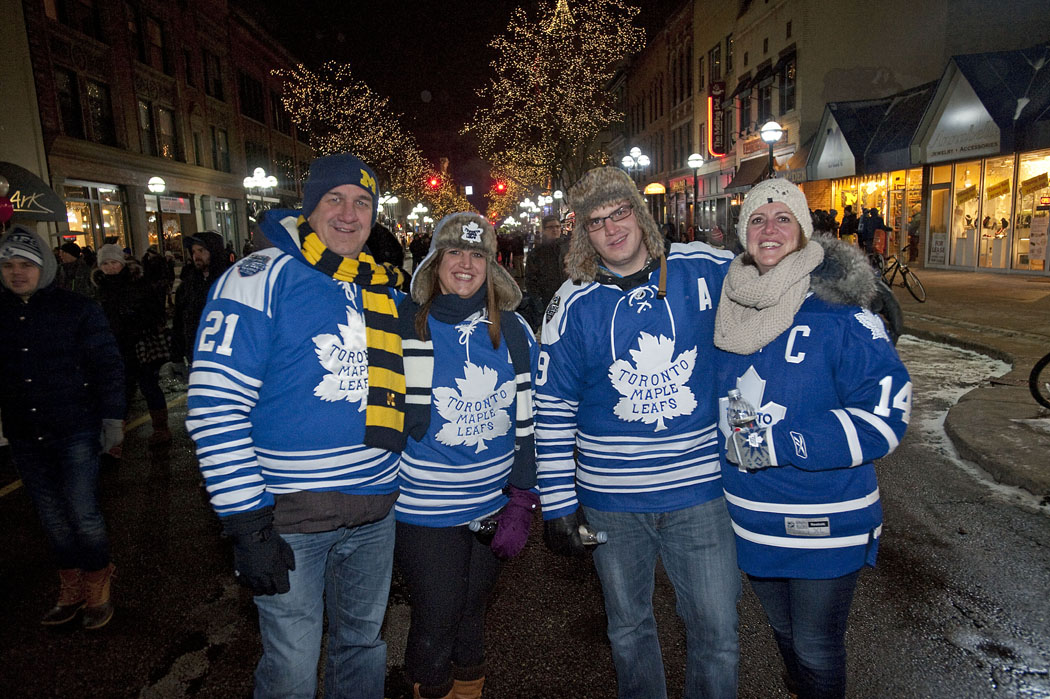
<point>112,435</point>
<point>749,450</point>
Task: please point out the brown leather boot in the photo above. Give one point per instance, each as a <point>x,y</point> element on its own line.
<point>468,681</point>
<point>161,434</point>
<point>419,692</point>
<point>99,609</point>
<point>70,597</point>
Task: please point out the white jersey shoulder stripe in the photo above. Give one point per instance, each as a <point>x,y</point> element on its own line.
<point>247,284</point>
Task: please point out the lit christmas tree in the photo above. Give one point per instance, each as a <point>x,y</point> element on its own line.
<point>547,101</point>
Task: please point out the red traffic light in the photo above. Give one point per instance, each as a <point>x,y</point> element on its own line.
<point>434,182</point>
<point>501,187</point>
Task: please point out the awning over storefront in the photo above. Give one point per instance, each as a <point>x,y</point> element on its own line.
<point>763,75</point>
<point>742,86</point>
<point>748,174</point>
<point>889,147</point>
<point>32,198</point>
<point>795,170</point>
<point>786,56</point>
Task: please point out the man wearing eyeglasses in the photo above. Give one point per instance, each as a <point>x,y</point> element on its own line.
<point>625,380</point>
<point>545,267</point>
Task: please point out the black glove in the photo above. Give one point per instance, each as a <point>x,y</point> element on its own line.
<point>886,305</point>
<point>261,558</point>
<point>562,535</point>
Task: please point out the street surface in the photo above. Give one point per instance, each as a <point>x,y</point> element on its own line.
<point>956,608</point>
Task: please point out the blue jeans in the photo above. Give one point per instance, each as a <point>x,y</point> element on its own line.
<point>809,622</point>
<point>61,477</point>
<point>698,552</point>
<point>345,572</point>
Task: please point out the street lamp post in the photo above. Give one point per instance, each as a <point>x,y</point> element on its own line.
<point>771,132</point>
<point>261,181</point>
<point>635,160</point>
<point>695,161</point>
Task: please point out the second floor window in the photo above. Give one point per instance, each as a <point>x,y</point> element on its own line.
<point>220,149</point>
<point>250,92</point>
<point>714,60</point>
<point>213,76</point>
<point>786,81</point>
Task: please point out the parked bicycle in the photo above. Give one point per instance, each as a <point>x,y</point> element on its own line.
<point>1039,381</point>
<point>893,265</point>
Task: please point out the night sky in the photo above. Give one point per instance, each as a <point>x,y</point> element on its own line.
<point>428,57</point>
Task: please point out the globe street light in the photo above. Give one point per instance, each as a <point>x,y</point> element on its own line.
<point>771,132</point>
<point>635,160</point>
<point>156,185</point>
<point>695,161</point>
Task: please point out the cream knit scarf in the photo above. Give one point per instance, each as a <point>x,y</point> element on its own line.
<point>755,309</point>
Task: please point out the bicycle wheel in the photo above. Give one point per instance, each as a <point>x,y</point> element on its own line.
<point>1039,381</point>
<point>914,286</point>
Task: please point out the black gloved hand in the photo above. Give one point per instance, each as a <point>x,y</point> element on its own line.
<point>886,305</point>
<point>261,558</point>
<point>562,535</point>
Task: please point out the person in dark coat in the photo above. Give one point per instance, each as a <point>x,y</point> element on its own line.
<point>61,386</point>
<point>75,274</point>
<point>135,312</point>
<point>849,222</point>
<point>209,262</point>
<point>418,248</point>
<point>545,266</point>
<point>386,249</point>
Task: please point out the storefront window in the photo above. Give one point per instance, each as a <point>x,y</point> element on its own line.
<point>1033,211</point>
<point>96,214</point>
<point>995,230</point>
<point>967,200</point>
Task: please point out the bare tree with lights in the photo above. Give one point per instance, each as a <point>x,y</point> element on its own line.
<point>547,103</point>
<point>343,115</point>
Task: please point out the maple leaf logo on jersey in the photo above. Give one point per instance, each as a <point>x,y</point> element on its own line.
<point>477,411</point>
<point>873,323</point>
<point>654,389</point>
<point>345,358</point>
<point>752,389</point>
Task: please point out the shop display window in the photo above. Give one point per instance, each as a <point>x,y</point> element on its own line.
<point>967,201</point>
<point>96,214</point>
<point>1033,211</point>
<point>995,232</point>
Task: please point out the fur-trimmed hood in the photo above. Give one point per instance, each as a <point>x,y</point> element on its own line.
<point>600,187</point>
<point>845,276</point>
<point>132,270</point>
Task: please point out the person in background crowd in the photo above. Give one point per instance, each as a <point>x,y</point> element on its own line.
<point>61,386</point>
<point>74,274</point>
<point>136,315</point>
<point>849,225</point>
<point>800,482</point>
<point>462,462</point>
<point>231,254</point>
<point>545,268</point>
<point>869,223</point>
<point>297,409</point>
<point>209,262</point>
<point>155,271</point>
<point>418,248</point>
<point>626,381</point>
<point>385,249</point>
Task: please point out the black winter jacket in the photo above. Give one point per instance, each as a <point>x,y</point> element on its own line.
<point>60,370</point>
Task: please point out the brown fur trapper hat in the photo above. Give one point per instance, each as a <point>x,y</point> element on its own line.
<point>466,231</point>
<point>600,187</point>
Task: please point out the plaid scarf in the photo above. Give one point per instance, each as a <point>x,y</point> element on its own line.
<point>385,409</point>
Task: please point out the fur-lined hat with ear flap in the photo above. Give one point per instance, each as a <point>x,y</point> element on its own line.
<point>466,231</point>
<point>600,187</point>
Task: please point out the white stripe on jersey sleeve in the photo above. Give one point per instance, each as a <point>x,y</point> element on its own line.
<point>852,438</point>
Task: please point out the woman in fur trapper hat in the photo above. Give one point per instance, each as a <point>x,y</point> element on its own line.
<point>799,479</point>
<point>600,187</point>
<point>469,453</point>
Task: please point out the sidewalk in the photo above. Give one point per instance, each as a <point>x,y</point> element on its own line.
<point>1007,317</point>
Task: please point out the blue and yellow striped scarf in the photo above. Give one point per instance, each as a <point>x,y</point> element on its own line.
<point>385,408</point>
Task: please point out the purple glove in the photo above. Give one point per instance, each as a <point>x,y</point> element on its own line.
<point>514,522</point>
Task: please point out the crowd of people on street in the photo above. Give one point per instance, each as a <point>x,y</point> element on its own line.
<point>634,388</point>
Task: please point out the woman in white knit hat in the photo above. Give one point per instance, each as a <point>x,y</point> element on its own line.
<point>831,395</point>
<point>469,363</point>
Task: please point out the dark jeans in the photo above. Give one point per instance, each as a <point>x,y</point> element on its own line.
<point>61,477</point>
<point>809,622</point>
<point>450,575</point>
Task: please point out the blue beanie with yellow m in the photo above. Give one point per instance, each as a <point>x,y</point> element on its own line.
<point>331,171</point>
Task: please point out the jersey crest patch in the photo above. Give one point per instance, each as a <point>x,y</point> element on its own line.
<point>345,358</point>
<point>873,323</point>
<point>477,411</point>
<point>654,390</point>
<point>253,264</point>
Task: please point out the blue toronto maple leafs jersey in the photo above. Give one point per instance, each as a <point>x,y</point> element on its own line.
<point>833,396</point>
<point>457,471</point>
<point>277,394</point>
<point>626,378</point>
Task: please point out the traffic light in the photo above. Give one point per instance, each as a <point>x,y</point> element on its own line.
<point>434,182</point>
<point>501,187</point>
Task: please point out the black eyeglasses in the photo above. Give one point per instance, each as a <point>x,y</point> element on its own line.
<point>595,224</point>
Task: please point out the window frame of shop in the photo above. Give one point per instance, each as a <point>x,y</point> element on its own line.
<point>92,200</point>
<point>975,237</point>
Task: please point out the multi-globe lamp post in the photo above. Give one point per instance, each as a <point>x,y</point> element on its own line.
<point>386,200</point>
<point>771,132</point>
<point>695,162</point>
<point>635,160</point>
